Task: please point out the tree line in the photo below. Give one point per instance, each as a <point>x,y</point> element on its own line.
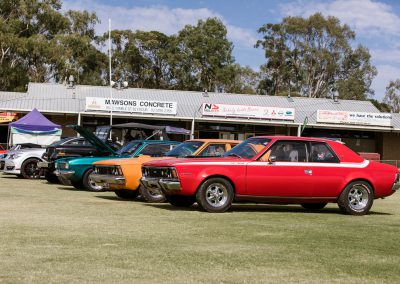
<point>311,57</point>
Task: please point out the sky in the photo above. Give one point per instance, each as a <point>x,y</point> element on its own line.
<point>376,23</point>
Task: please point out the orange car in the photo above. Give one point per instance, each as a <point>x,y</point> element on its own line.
<point>122,175</point>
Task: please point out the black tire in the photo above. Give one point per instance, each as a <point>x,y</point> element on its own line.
<point>51,178</point>
<point>181,200</point>
<point>77,184</point>
<point>89,184</point>
<point>215,195</point>
<point>152,195</point>
<point>127,194</point>
<point>313,206</point>
<point>357,198</point>
<point>29,169</point>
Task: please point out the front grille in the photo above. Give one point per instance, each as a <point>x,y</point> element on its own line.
<point>108,170</point>
<point>157,172</point>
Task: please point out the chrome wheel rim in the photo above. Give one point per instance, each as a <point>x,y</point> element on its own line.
<point>154,192</point>
<point>30,169</point>
<point>216,195</point>
<point>358,197</point>
<point>93,185</point>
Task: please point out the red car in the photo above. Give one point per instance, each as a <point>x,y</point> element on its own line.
<point>2,150</point>
<point>276,169</point>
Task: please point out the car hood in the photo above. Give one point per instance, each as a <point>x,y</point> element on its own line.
<point>129,161</point>
<point>93,139</point>
<point>175,161</point>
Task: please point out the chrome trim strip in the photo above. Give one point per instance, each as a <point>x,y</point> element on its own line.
<point>282,197</point>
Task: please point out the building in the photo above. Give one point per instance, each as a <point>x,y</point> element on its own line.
<point>212,115</point>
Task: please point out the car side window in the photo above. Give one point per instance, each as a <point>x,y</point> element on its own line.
<point>321,153</point>
<point>155,150</point>
<point>287,151</point>
<point>213,150</point>
<point>77,142</point>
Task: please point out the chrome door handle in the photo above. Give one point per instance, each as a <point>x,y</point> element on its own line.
<point>308,172</point>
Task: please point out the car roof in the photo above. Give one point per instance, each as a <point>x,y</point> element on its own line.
<point>215,140</point>
<point>281,137</point>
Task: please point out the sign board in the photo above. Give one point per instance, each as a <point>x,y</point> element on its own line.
<point>8,117</point>
<point>244,111</point>
<point>353,117</point>
<point>128,105</point>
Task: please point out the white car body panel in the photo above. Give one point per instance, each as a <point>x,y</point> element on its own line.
<point>13,166</point>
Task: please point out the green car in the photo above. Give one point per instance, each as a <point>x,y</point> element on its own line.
<point>78,170</point>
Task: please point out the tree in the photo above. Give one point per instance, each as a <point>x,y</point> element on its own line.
<point>201,55</point>
<point>392,96</point>
<point>241,80</point>
<point>313,56</point>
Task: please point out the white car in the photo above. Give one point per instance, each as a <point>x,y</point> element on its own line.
<point>23,162</point>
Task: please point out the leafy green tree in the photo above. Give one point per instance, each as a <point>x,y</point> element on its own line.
<point>201,55</point>
<point>241,80</point>
<point>312,56</point>
<point>392,96</point>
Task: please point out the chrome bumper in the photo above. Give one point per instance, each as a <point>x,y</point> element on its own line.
<point>166,185</point>
<point>65,174</point>
<point>108,179</point>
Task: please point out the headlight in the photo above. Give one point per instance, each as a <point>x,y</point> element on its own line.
<point>14,156</point>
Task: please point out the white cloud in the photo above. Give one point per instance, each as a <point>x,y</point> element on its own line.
<point>160,18</point>
<point>385,74</point>
<point>386,55</point>
<point>366,17</point>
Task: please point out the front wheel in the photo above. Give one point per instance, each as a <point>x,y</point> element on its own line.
<point>215,195</point>
<point>29,169</point>
<point>181,200</point>
<point>127,194</point>
<point>313,206</point>
<point>153,195</point>
<point>356,198</point>
<point>89,183</point>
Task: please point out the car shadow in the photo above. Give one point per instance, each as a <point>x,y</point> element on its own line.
<point>259,208</point>
<point>70,188</point>
<point>116,198</point>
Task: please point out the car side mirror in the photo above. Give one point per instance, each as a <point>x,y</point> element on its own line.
<point>272,159</point>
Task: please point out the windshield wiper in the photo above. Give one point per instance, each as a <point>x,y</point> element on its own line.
<point>234,155</point>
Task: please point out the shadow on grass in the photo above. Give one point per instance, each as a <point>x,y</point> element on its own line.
<point>116,198</point>
<point>70,188</point>
<point>259,208</point>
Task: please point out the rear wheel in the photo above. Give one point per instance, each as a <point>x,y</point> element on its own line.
<point>357,198</point>
<point>153,195</point>
<point>127,194</point>
<point>215,195</point>
<point>29,169</point>
<point>181,200</point>
<point>89,183</point>
<point>313,206</point>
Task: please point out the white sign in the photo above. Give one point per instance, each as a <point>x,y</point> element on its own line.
<point>352,117</point>
<point>248,111</point>
<point>126,105</point>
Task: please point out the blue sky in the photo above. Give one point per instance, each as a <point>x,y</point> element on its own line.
<point>377,23</point>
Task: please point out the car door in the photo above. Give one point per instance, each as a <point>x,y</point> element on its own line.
<point>327,171</point>
<point>289,176</point>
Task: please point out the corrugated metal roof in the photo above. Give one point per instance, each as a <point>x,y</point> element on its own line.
<point>59,98</point>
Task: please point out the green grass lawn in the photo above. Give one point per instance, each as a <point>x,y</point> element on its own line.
<point>52,234</point>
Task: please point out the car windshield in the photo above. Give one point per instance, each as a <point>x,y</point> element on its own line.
<point>129,148</point>
<point>185,149</point>
<point>249,148</point>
